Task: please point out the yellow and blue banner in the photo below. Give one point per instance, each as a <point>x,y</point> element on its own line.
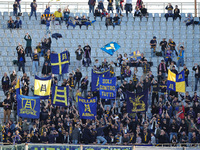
<point>28,106</point>
<point>17,87</point>
<point>59,63</point>
<point>87,107</point>
<point>95,78</point>
<point>71,21</point>
<point>136,55</point>
<point>60,95</point>
<point>176,82</point>
<point>137,102</point>
<point>111,48</point>
<point>42,87</point>
<point>107,88</point>
<point>89,23</point>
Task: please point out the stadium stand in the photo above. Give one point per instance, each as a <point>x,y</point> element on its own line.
<point>134,33</point>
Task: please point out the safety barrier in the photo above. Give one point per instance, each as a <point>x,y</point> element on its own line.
<point>82,7</point>
<point>97,147</point>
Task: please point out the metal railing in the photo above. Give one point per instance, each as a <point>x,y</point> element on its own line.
<point>39,146</point>
<point>82,7</point>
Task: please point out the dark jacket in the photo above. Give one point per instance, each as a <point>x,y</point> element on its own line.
<point>5,80</point>
<point>75,134</point>
<point>56,35</point>
<point>21,55</point>
<point>86,135</point>
<point>84,86</point>
<point>163,138</point>
<point>28,41</point>
<point>79,55</point>
<point>52,137</point>
<point>78,76</point>
<point>46,70</point>
<point>197,74</point>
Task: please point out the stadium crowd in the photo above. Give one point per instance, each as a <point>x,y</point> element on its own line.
<point>174,117</point>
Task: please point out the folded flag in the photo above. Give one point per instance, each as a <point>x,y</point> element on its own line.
<point>71,21</point>
<point>176,82</point>
<point>136,55</point>
<point>111,48</point>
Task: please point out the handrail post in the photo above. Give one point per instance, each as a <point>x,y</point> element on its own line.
<point>81,147</point>
<point>26,146</point>
<point>181,7</point>
<point>8,6</point>
<point>195,8</point>
<point>77,7</point>
<point>133,147</point>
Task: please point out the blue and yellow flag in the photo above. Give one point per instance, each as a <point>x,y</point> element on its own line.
<point>89,23</point>
<point>28,106</point>
<point>60,63</point>
<point>110,48</point>
<point>42,87</point>
<point>87,107</point>
<point>107,87</point>
<point>176,82</point>
<point>95,78</point>
<point>137,102</point>
<point>136,55</point>
<point>17,87</point>
<point>60,95</point>
<point>71,22</point>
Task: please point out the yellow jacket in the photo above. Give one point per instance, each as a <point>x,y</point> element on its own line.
<point>58,14</point>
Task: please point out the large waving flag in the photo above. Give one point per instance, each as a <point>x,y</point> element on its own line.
<point>136,55</point>
<point>107,87</point>
<point>60,63</point>
<point>110,48</point>
<point>60,95</point>
<point>42,87</point>
<point>95,78</point>
<point>28,106</point>
<point>176,82</point>
<point>87,107</point>
<point>137,102</point>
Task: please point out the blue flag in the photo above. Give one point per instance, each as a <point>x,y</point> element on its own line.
<point>110,48</point>
<point>87,107</point>
<point>107,87</point>
<point>95,78</point>
<point>89,23</point>
<point>71,22</point>
<point>60,63</point>
<point>28,106</point>
<point>136,55</point>
<point>137,102</point>
<point>60,95</point>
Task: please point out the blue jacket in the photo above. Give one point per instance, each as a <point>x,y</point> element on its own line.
<point>56,35</point>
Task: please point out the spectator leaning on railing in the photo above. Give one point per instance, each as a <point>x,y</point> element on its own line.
<point>169,8</point>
